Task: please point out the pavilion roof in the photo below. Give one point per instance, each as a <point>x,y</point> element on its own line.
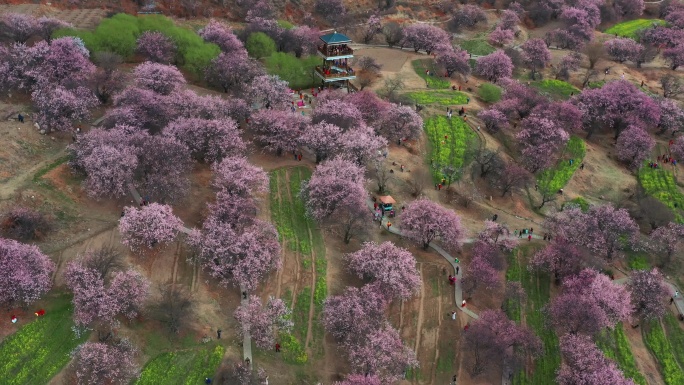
<point>335,38</point>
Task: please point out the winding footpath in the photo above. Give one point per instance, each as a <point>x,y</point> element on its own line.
<point>507,372</point>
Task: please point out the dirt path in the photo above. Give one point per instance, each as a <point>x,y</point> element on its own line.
<point>8,187</point>
<point>421,312</point>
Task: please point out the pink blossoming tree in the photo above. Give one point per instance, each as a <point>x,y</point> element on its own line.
<point>425,221</point>
<point>494,66</point>
<point>221,35</point>
<point>160,78</point>
<point>237,257</point>
<point>382,354</point>
<point>634,146</point>
<point>535,55</point>
<point>208,140</point>
<point>101,363</point>
<point>156,47</point>
<point>589,303</point>
<point>392,269</point>
<point>493,338</point>
<point>149,226</point>
<point>278,131</point>
<point>236,176</point>
<point>648,293</point>
<point>355,313</point>
<point>584,363</point>
<point>263,323</point>
<point>26,273</point>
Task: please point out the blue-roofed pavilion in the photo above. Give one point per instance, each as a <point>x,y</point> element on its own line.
<point>336,54</point>
<point>335,38</point>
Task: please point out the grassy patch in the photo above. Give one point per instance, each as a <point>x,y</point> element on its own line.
<point>300,313</point>
<point>660,183</point>
<point>47,168</point>
<point>298,72</point>
<point>557,177</point>
<point>596,84</point>
<point>615,346</point>
<point>579,201</point>
<point>443,98</point>
<point>300,232</point>
<point>537,287</point>
<point>630,28</point>
<point>432,81</point>
<point>637,261</point>
<point>489,93</point>
<point>40,349</point>
<point>555,89</point>
<point>477,47</point>
<point>449,151</point>
<point>292,350</point>
<point>187,367</point>
<point>661,347</point>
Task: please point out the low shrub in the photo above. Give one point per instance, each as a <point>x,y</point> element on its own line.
<point>489,93</point>
<point>119,33</point>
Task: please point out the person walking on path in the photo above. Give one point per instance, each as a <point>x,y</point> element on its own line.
<point>389,224</point>
<point>277,347</point>
<point>453,315</point>
<point>21,118</point>
<point>676,293</point>
<point>529,237</point>
<point>463,304</point>
<point>218,334</point>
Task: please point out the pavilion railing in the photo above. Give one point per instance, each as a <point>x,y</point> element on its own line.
<point>332,75</point>
<point>335,51</point>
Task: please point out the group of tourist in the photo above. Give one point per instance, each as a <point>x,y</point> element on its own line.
<point>336,50</point>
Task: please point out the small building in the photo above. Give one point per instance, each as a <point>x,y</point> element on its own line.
<point>336,54</point>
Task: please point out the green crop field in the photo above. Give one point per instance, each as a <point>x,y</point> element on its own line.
<point>187,367</point>
<point>663,351</point>
<point>556,89</point>
<point>449,151</point>
<point>557,177</point>
<point>434,81</point>
<point>660,183</point>
<point>300,234</point>
<point>615,346</point>
<point>537,287</point>
<point>676,336</point>
<point>630,28</point>
<point>40,349</point>
<point>443,98</point>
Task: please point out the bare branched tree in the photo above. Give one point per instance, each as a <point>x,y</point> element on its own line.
<point>172,307</point>
<point>673,86</point>
<point>417,182</point>
<point>103,260</point>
